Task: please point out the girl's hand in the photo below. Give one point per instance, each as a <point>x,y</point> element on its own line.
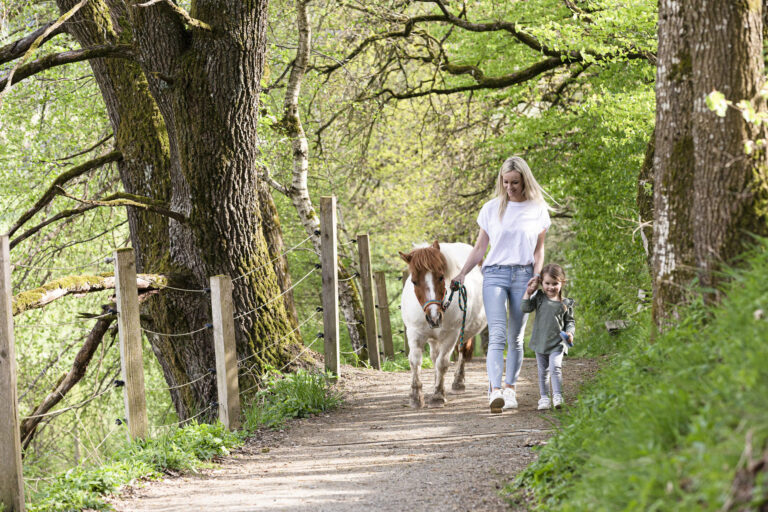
<point>570,337</point>
<point>532,286</point>
<point>458,279</point>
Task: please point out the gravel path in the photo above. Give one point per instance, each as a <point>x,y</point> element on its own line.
<point>376,453</point>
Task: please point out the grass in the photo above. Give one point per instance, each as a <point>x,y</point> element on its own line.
<point>666,424</point>
<point>296,395</point>
<point>183,449</point>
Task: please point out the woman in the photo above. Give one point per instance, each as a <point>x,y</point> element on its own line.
<point>515,225</point>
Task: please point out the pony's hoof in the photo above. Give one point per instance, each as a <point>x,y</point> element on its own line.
<point>417,402</point>
<point>458,387</point>
<point>437,401</point>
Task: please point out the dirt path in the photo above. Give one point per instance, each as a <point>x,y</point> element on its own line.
<point>376,453</point>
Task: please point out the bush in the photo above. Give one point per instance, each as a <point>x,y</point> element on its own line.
<point>665,425</point>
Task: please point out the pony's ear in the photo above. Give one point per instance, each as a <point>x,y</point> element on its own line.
<point>406,257</point>
<point>436,245</point>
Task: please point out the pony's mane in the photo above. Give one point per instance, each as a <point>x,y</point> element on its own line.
<point>428,259</point>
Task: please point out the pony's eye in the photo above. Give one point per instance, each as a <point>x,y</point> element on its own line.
<point>415,283</point>
<point>440,278</point>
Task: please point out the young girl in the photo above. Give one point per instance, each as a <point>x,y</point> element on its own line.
<point>553,315</point>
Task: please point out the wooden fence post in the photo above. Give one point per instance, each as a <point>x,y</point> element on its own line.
<point>226,354</point>
<point>11,476</point>
<point>369,311</point>
<point>330,273</point>
<point>386,327</point>
<point>129,329</point>
<point>406,347</point>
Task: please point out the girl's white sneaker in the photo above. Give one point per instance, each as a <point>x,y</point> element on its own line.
<point>510,398</point>
<point>544,403</point>
<point>496,401</point>
<point>557,401</point>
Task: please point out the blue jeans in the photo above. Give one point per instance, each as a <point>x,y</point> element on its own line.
<point>505,285</point>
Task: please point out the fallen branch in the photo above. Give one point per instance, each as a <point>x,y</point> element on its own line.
<point>49,292</point>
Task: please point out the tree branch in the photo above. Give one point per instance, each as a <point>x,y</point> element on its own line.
<point>189,20</point>
<point>126,199</point>
<point>79,366</point>
<point>16,49</point>
<point>60,180</point>
<point>482,83</point>
<point>121,51</point>
<point>61,215</point>
<point>49,292</point>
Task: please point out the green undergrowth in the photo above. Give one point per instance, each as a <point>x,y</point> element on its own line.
<point>183,449</point>
<point>400,363</point>
<point>296,395</point>
<point>670,425</point>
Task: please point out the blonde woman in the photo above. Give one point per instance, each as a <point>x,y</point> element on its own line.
<point>514,224</point>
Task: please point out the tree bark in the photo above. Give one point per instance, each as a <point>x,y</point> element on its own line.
<point>185,121</point>
<point>729,189</point>
<point>645,200</point>
<point>673,251</point>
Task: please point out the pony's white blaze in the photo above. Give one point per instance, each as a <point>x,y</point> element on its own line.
<point>432,310</point>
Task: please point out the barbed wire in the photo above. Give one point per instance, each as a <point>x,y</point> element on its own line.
<point>171,425</point>
<point>241,315</point>
<point>286,365</point>
<point>272,260</point>
<point>181,334</point>
<point>209,373</point>
<point>190,290</point>
<point>76,406</point>
<point>356,274</point>
<point>277,342</point>
<point>63,324</point>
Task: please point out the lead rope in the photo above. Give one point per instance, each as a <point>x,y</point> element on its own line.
<point>456,286</point>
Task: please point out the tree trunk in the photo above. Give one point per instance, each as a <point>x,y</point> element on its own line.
<point>673,252</point>
<point>186,124</point>
<point>729,188</point>
<point>644,200</point>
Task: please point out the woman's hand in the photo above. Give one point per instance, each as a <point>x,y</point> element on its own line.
<point>532,286</point>
<point>459,278</point>
<point>570,337</point>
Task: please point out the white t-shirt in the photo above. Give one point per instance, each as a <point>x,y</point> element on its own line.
<point>513,238</point>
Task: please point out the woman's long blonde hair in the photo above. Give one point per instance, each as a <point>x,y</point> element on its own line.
<point>532,191</point>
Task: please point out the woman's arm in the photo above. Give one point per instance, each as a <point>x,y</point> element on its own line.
<point>538,255</point>
<point>475,257</point>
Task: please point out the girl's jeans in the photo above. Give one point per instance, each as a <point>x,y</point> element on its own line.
<point>550,362</point>
<point>502,285</point>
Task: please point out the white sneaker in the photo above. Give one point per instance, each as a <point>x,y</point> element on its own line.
<point>496,401</point>
<point>510,398</point>
<point>544,403</point>
<point>557,401</point>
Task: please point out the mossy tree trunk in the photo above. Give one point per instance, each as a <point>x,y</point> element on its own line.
<point>185,120</point>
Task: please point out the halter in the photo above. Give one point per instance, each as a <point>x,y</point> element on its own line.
<point>455,286</point>
<point>430,302</point>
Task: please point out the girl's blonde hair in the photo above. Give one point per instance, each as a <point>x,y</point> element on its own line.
<point>532,191</point>
<point>557,273</point>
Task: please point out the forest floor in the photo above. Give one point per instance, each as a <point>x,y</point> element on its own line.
<point>376,453</point>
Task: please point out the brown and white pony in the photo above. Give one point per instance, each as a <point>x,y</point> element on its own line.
<point>426,321</point>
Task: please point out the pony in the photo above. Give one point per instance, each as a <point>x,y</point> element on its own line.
<point>426,320</point>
